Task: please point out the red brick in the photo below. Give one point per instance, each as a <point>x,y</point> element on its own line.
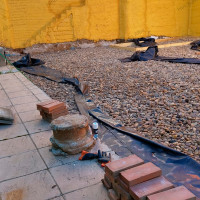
<point>106,184</point>
<point>50,107</point>
<point>52,117</point>
<point>107,180</point>
<point>116,189</point>
<point>112,195</point>
<point>140,174</point>
<point>179,193</point>
<point>124,194</point>
<point>40,105</point>
<point>123,185</point>
<point>117,166</point>
<point>153,186</point>
<point>58,111</point>
<point>110,178</point>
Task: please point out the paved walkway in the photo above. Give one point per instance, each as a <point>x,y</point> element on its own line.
<point>28,170</point>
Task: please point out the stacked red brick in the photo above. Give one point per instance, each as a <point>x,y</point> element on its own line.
<point>52,109</point>
<point>130,179</point>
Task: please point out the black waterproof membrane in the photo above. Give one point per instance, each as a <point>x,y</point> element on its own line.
<point>152,54</point>
<point>28,65</point>
<point>144,42</point>
<point>28,61</point>
<point>195,45</point>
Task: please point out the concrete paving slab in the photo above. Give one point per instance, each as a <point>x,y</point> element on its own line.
<point>11,84</point>
<point>41,139</point>
<point>26,107</point>
<point>30,116</point>
<point>19,94</point>
<point>22,100</point>
<point>5,77</point>
<point>97,192</point>
<point>20,165</point>
<point>37,126</point>
<point>39,185</point>
<point>54,161</point>
<point>58,198</point>
<point>15,89</point>
<point>12,131</point>
<point>37,91</point>
<point>42,96</point>
<point>5,102</point>
<point>77,175</point>
<point>15,146</point>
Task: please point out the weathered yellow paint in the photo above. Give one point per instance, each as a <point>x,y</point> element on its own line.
<point>24,22</point>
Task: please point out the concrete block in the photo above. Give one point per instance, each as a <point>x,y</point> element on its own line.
<point>178,193</point>
<point>140,174</point>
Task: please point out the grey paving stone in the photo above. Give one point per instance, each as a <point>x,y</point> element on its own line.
<point>37,91</point>
<point>37,126</point>
<point>54,161</point>
<point>12,84</point>
<point>41,139</point>
<point>12,131</point>
<point>15,146</point>
<point>19,94</point>
<point>95,192</point>
<point>30,115</point>
<point>5,102</point>
<point>37,186</point>
<point>5,77</point>
<point>57,198</point>
<point>24,100</point>
<point>42,96</point>
<point>77,175</point>
<point>21,164</point>
<point>15,89</point>
<point>26,107</point>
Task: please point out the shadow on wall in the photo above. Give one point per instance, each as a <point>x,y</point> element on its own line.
<point>60,16</point>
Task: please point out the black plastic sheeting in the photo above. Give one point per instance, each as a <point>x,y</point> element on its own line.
<point>195,45</point>
<point>179,168</point>
<point>152,54</point>
<point>28,65</point>
<point>28,61</point>
<point>144,42</point>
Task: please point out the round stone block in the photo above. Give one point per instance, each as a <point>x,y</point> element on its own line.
<point>72,133</point>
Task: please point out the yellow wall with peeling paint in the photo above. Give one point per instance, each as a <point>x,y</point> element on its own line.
<point>24,22</point>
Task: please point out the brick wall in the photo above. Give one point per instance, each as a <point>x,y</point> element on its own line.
<point>50,21</point>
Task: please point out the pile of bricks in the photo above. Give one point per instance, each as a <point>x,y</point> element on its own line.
<point>131,179</point>
<point>52,109</point>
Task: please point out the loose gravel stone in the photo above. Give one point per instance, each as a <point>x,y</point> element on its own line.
<point>159,100</point>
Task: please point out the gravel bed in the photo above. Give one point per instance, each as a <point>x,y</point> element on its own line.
<point>159,100</point>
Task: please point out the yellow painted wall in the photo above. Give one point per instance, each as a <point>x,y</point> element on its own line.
<point>24,22</point>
